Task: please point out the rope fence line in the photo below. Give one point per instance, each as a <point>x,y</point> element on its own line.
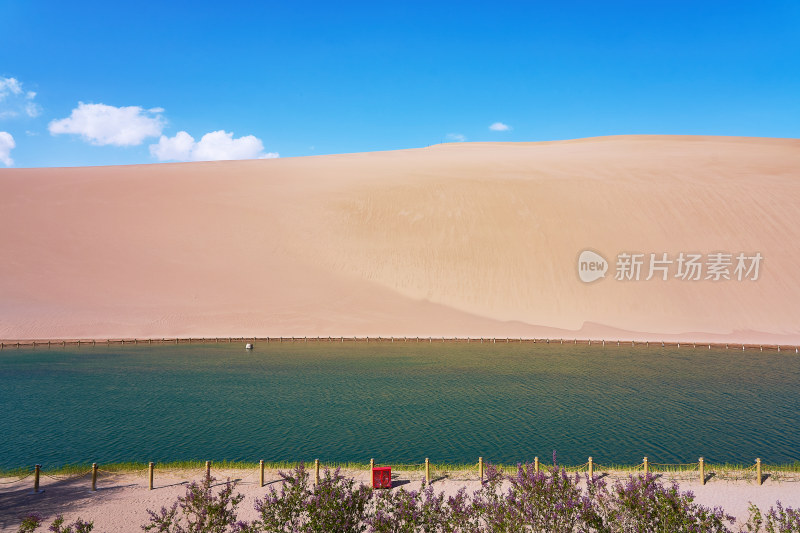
<point>66,477</point>
<point>22,343</point>
<point>243,473</point>
<point>579,468</point>
<point>29,474</point>
<point>122,472</point>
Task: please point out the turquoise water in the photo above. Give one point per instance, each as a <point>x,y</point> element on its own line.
<point>397,403</point>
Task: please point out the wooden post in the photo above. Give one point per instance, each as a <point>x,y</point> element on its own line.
<point>646,466</point>
<point>427,472</point>
<point>480,467</point>
<point>758,471</point>
<point>591,469</point>
<point>208,469</point>
<point>316,471</point>
<point>94,476</point>
<point>536,464</point>
<point>371,466</point>
<point>261,476</point>
<point>702,472</point>
<point>36,470</point>
<point>150,476</point>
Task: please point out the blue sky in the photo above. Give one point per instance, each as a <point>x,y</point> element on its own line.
<point>305,78</point>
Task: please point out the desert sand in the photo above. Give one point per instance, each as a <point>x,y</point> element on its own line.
<point>121,502</point>
<point>463,239</point>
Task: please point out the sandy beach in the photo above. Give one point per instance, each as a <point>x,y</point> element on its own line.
<point>462,239</point>
<point>120,504</point>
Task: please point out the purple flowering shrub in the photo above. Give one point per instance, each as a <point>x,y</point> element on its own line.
<point>644,504</point>
<point>532,502</point>
<point>423,511</point>
<point>79,526</point>
<point>526,501</point>
<point>199,511</point>
<point>285,511</point>
<point>778,520</point>
<point>554,502</point>
<point>783,520</point>
<point>32,522</point>
<point>334,504</point>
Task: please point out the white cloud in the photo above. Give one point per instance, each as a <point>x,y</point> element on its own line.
<point>101,124</point>
<point>458,137</point>
<point>6,145</point>
<point>178,148</point>
<point>9,86</point>
<point>14,101</point>
<point>499,126</point>
<point>214,146</point>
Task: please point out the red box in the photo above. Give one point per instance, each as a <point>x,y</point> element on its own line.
<point>382,477</point>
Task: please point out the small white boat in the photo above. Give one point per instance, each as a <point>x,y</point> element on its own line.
<point>248,346</point>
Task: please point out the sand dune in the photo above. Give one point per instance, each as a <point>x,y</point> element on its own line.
<point>460,239</point>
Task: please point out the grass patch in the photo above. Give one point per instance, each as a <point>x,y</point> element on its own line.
<point>735,470</point>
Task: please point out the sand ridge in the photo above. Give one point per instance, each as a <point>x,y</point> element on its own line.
<point>462,239</point>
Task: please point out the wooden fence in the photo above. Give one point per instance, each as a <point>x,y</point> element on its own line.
<point>591,468</point>
<point>34,343</point>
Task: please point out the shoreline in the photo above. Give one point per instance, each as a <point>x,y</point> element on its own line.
<point>738,472</point>
<point>122,499</point>
<point>63,342</point>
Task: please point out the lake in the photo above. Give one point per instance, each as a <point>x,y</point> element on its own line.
<point>398,403</point>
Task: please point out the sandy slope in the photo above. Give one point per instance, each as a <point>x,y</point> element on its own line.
<point>459,239</point>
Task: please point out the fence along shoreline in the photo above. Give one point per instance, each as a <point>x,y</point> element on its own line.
<point>50,343</point>
<point>703,472</point>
